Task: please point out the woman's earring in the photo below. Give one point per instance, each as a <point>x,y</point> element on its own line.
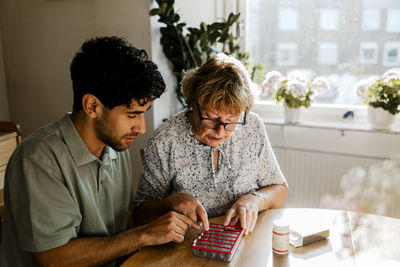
<point>190,108</point>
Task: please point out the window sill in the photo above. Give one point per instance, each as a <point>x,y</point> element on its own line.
<point>322,129</point>
<point>322,116</point>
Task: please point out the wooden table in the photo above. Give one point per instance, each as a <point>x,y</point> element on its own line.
<point>355,240</point>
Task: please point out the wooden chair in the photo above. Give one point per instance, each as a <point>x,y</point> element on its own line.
<point>10,137</point>
<point>10,126</point>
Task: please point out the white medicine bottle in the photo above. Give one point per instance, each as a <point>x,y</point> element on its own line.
<point>280,237</point>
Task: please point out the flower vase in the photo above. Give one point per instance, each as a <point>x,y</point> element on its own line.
<point>379,118</point>
<point>292,115</point>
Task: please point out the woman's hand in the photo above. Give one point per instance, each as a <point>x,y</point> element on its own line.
<point>189,206</point>
<point>246,210</point>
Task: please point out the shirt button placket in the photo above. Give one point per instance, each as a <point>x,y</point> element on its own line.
<point>101,180</point>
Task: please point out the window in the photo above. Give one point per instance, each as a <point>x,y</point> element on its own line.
<point>391,54</point>
<point>286,54</point>
<point>288,19</point>
<point>393,20</point>
<point>371,19</point>
<point>368,53</point>
<point>329,19</point>
<point>343,41</point>
<point>327,54</point>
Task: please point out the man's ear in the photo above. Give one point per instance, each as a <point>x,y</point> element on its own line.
<point>92,105</point>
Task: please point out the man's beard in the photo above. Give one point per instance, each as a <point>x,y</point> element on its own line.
<point>104,133</point>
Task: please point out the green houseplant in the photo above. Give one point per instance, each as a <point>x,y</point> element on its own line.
<point>189,47</point>
<point>383,92</point>
<point>382,95</point>
<point>295,94</point>
<point>295,91</point>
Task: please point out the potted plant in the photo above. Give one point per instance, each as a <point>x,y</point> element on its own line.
<point>295,91</point>
<point>382,95</point>
<point>190,47</point>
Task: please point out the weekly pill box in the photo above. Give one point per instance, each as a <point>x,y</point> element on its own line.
<point>219,242</point>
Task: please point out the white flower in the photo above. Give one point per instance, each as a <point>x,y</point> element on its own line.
<point>296,88</point>
<point>271,83</point>
<point>320,84</point>
<point>362,86</point>
<point>297,75</point>
<point>354,178</point>
<point>392,74</point>
<point>376,189</point>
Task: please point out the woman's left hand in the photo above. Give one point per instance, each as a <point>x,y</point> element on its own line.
<point>246,210</point>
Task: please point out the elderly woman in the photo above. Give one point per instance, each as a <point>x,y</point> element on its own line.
<point>213,157</point>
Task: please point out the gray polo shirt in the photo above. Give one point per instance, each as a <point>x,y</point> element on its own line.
<point>56,190</point>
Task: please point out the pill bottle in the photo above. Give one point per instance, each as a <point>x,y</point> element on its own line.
<point>280,237</point>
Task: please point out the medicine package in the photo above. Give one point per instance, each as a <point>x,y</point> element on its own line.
<point>302,236</point>
<point>219,242</point>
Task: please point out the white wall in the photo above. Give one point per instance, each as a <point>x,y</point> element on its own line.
<point>40,38</point>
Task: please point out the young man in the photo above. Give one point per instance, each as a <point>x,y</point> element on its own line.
<point>68,187</point>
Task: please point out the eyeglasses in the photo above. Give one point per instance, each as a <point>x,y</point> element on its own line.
<point>214,124</point>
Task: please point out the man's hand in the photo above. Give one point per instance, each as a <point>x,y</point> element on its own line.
<point>100,250</point>
<point>171,226</point>
<point>189,206</point>
<point>246,210</point>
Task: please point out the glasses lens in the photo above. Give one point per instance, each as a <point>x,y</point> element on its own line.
<point>209,123</point>
<point>233,126</point>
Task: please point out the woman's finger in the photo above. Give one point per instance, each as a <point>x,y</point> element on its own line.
<point>254,221</point>
<point>228,216</point>
<point>249,219</point>
<point>234,220</point>
<point>242,216</point>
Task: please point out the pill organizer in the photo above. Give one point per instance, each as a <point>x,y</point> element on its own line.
<point>219,242</point>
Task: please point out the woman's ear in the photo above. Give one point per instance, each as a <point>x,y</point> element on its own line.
<point>92,105</point>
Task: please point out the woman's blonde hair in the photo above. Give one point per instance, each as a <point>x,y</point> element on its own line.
<point>222,83</point>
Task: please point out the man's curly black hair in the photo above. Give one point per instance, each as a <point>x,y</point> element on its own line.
<point>115,72</point>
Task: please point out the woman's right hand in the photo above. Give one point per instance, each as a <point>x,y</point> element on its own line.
<point>189,206</point>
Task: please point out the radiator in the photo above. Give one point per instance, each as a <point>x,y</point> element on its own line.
<point>311,175</point>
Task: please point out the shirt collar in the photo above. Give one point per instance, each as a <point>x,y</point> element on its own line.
<point>108,155</point>
<point>79,151</point>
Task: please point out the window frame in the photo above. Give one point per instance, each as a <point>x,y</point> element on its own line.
<point>368,45</point>
<point>390,14</point>
<point>386,49</point>
<point>323,20</point>
<point>363,23</point>
<point>323,115</point>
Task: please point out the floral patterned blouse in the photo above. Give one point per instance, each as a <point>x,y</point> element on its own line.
<point>175,161</point>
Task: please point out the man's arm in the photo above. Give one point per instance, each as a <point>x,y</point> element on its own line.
<point>97,251</point>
